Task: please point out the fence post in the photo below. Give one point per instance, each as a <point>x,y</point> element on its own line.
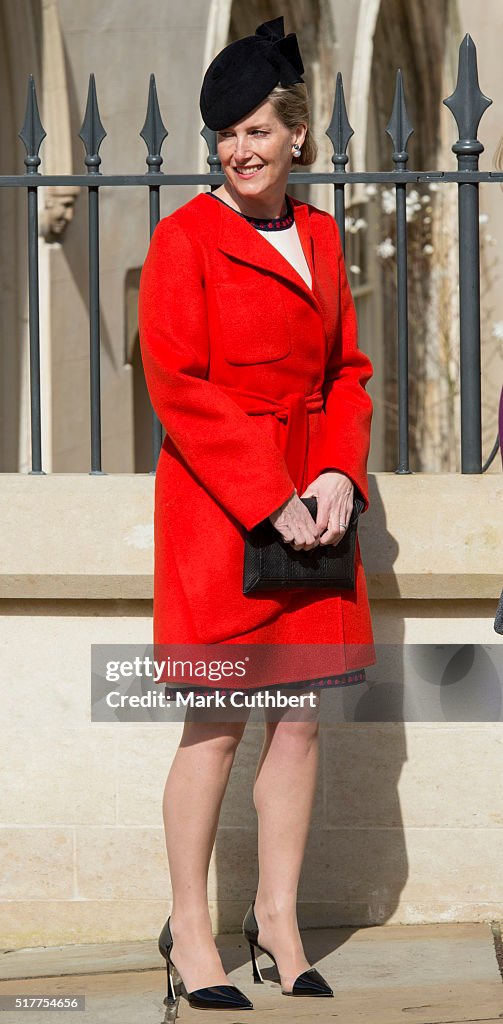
<point>467,103</point>
<point>399,130</point>
<point>153,134</point>
<point>213,160</point>
<point>33,134</point>
<point>339,132</point>
<point>92,134</point>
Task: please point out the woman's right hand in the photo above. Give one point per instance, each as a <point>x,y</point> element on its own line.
<point>295,524</point>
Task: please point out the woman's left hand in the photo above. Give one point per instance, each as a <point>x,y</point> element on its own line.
<point>335,495</point>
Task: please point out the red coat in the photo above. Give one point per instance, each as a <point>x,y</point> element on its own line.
<point>260,385</point>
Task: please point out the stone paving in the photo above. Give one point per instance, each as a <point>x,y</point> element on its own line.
<point>425,974</point>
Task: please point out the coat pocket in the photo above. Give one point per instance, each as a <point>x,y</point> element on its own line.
<point>254,327</point>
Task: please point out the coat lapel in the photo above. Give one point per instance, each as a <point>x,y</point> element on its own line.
<point>241,240</point>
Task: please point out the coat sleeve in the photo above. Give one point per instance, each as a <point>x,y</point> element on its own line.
<point>348,406</point>
<point>224,448</point>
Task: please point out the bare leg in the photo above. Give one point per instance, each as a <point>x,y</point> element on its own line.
<point>283,794</point>
<point>193,796</point>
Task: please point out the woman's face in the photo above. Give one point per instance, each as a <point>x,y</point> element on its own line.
<point>256,152</point>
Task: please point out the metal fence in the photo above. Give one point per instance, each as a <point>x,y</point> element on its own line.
<point>467,104</point>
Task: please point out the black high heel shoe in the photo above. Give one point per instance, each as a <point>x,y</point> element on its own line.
<point>215,997</point>
<point>309,983</point>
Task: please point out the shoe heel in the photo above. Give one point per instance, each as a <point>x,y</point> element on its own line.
<point>257,977</point>
<point>172,998</point>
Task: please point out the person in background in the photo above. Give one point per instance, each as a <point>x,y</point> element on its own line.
<point>498,621</point>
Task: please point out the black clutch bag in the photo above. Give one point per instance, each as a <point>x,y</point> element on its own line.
<point>270,563</point>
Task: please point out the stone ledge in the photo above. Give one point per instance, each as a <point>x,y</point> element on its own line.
<point>77,586</point>
<point>78,536</point>
<point>433,586</point>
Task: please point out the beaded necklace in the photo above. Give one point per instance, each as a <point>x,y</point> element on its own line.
<point>262,223</point>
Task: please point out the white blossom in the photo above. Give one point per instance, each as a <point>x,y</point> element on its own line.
<point>483,218</point>
<point>388,200</point>
<point>433,187</point>
<point>428,249</point>
<point>355,269</point>
<point>412,204</point>
<point>497,331</point>
<point>371,190</point>
<point>385,249</point>
<point>353,225</point>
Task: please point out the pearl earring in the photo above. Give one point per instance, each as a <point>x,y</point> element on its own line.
<point>296,149</point>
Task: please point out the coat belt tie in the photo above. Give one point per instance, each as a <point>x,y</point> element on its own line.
<point>293,409</point>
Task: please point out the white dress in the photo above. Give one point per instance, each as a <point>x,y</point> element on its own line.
<point>284,238</point>
<point>287,241</point>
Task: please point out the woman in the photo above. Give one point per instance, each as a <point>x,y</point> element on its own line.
<point>249,343</point>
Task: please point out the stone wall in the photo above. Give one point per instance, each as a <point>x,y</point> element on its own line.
<point>407,814</point>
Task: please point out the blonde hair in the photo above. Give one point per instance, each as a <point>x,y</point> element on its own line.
<point>291,105</point>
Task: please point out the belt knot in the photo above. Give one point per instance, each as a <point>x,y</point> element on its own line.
<point>293,409</point>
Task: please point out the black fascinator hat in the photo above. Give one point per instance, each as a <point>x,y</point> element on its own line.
<point>241,76</point>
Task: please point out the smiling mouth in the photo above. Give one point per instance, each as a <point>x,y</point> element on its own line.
<point>248,172</point>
